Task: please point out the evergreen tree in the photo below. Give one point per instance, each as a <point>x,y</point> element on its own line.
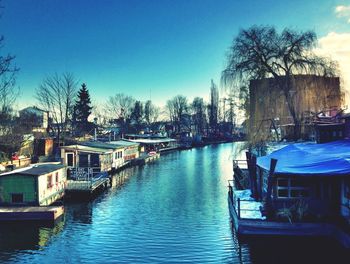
<point>82,109</point>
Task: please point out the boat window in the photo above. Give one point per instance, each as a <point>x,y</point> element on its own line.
<point>17,197</point>
<point>49,181</point>
<point>83,160</point>
<point>70,160</point>
<point>292,188</point>
<point>94,160</point>
<point>282,193</point>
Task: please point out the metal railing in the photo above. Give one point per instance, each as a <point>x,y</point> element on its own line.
<point>242,164</point>
<point>236,202</point>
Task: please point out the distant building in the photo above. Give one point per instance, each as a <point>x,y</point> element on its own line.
<point>43,146</point>
<point>86,158</point>
<point>92,157</point>
<point>41,184</point>
<point>37,118</point>
<point>268,106</point>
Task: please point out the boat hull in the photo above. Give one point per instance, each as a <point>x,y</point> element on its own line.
<point>264,228</point>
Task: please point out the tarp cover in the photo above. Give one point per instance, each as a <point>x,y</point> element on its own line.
<point>310,159</point>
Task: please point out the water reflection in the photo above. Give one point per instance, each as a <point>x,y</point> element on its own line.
<point>26,237</point>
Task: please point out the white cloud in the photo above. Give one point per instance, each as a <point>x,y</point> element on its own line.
<point>343,11</point>
<point>336,46</point>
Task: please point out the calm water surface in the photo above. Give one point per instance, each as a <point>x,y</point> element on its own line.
<point>171,211</point>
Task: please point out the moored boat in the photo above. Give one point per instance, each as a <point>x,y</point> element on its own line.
<point>299,190</point>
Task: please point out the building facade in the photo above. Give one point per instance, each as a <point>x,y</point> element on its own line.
<point>268,108</point>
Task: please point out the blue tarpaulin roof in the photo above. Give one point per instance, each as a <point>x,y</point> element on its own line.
<point>310,159</point>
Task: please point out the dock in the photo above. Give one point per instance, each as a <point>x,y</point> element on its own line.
<point>88,186</point>
<point>30,213</point>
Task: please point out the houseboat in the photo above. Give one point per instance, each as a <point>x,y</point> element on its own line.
<point>154,143</point>
<point>85,158</point>
<point>37,185</point>
<point>131,149</point>
<point>302,189</point>
<point>28,193</point>
<point>118,151</point>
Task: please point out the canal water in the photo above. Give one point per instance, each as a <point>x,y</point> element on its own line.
<point>171,211</point>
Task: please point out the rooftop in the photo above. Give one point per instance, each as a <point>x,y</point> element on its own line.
<point>35,170</point>
<point>101,145</point>
<point>88,149</point>
<point>124,143</point>
<point>153,141</point>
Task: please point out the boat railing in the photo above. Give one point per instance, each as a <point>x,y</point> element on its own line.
<point>242,164</point>
<point>236,202</point>
<point>86,173</point>
<point>240,211</point>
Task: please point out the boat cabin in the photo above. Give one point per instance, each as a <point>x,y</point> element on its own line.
<point>310,180</point>
<point>117,151</point>
<point>131,149</point>
<point>82,161</point>
<point>40,184</point>
<point>158,145</point>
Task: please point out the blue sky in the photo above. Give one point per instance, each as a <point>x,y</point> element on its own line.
<point>144,48</point>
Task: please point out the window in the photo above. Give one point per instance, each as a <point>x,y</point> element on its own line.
<point>56,177</point>
<point>94,160</point>
<point>83,160</point>
<point>49,181</point>
<point>70,159</point>
<point>17,197</point>
<point>293,188</point>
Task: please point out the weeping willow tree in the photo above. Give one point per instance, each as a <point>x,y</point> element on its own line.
<point>261,52</point>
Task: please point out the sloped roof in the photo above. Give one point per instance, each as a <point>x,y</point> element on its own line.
<point>35,170</point>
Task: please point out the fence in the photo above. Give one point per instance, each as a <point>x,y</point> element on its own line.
<point>17,163</point>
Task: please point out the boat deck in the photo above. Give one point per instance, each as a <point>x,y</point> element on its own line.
<point>31,213</point>
<point>249,208</point>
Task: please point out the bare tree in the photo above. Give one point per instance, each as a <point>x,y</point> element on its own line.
<point>8,72</point>
<point>9,136</point>
<point>151,112</point>
<point>177,107</point>
<point>214,106</point>
<point>261,52</point>
<point>100,115</point>
<point>120,106</point>
<point>56,95</point>
<point>198,112</point>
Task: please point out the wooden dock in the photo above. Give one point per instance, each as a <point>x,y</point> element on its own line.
<point>30,213</point>
<point>86,186</point>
